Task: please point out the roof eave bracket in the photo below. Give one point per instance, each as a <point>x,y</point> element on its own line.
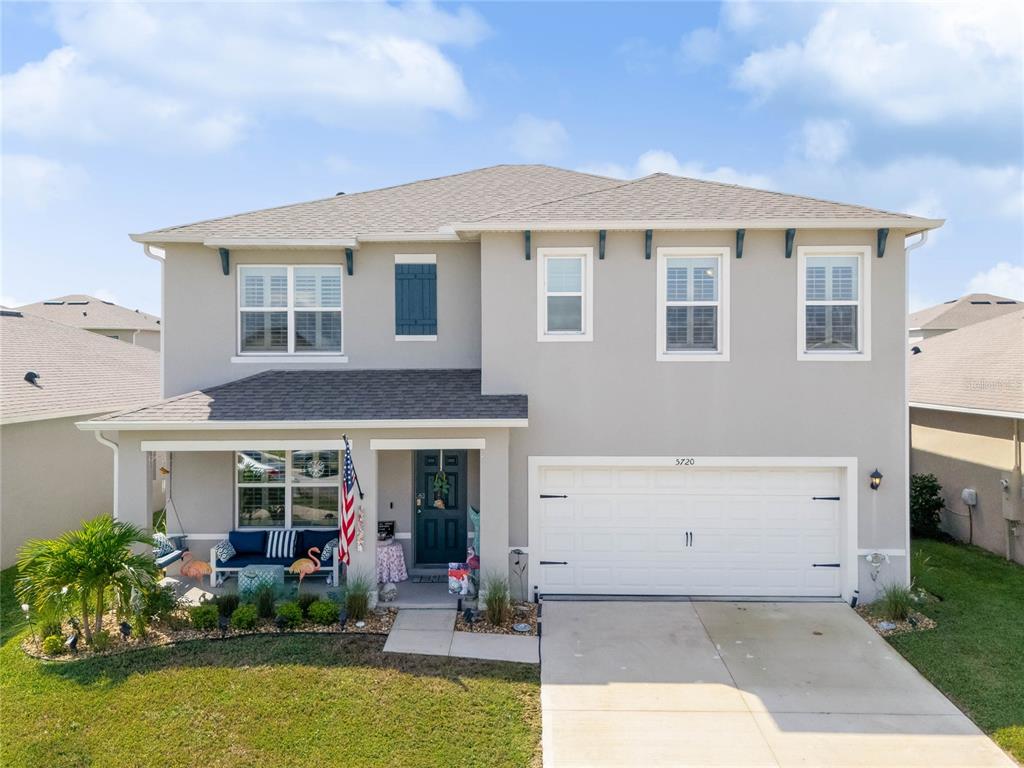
<point>648,237</point>
<point>790,237</point>
<point>527,245</point>
<point>602,236</point>
<point>225,260</point>
<point>883,236</point>
<point>350,266</point>
<point>740,235</point>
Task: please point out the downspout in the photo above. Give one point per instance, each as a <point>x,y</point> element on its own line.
<point>906,393</point>
<point>1013,502</point>
<point>112,446</point>
<point>918,244</point>
<point>159,255</point>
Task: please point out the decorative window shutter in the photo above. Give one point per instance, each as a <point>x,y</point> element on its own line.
<point>415,299</point>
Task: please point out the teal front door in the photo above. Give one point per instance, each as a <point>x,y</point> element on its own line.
<point>440,514</point>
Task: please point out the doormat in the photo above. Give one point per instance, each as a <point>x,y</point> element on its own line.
<point>437,579</point>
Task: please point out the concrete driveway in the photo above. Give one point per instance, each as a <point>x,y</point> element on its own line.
<point>739,684</point>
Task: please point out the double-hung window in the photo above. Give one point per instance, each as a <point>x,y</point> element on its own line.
<point>834,321</point>
<point>565,294</point>
<point>289,310</point>
<point>693,304</point>
<point>287,489</point>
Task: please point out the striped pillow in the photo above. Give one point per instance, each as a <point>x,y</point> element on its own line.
<point>280,544</point>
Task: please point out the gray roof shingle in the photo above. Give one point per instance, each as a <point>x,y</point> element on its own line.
<point>79,372</point>
<point>354,395</point>
<point>967,310</point>
<point>87,312</point>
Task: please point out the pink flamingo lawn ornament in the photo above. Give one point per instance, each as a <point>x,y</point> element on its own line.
<point>194,569</point>
<point>305,565</point>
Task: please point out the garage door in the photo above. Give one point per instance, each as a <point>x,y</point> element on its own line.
<point>667,530</point>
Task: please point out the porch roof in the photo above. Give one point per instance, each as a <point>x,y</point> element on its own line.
<point>353,398</point>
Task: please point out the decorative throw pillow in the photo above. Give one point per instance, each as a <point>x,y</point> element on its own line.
<point>280,544</point>
<point>224,550</point>
<point>162,545</point>
<point>327,553</point>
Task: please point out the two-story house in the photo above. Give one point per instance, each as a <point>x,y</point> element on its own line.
<point>655,387</point>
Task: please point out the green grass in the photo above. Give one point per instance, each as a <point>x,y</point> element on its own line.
<point>263,701</point>
<point>976,655</point>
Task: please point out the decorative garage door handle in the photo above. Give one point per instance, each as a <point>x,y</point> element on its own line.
<point>825,565</point>
<point>825,498</point>
<point>554,562</point>
<point>553,496</point>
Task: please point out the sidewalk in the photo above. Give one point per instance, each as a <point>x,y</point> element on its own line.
<point>432,633</point>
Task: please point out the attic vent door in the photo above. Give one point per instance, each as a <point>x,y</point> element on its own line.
<point>415,299</point>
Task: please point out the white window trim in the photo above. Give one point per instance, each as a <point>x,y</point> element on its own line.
<point>585,253</point>
<point>863,254</point>
<point>431,337</point>
<point>291,354</point>
<point>724,256</point>
<point>416,258</point>
<point>288,485</point>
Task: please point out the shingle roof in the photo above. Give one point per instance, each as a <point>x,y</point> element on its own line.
<point>979,367</point>
<point>335,396</point>
<point>83,311</point>
<point>514,195</point>
<point>967,310</point>
<point>79,372</point>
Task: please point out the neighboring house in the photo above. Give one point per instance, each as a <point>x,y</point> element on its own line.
<point>100,316</point>
<point>958,313</point>
<point>966,418</point>
<point>660,386</point>
<point>52,475</point>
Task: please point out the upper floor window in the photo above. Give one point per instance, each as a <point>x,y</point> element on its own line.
<point>415,297</point>
<point>693,303</point>
<point>834,308</point>
<point>565,294</point>
<point>287,310</point>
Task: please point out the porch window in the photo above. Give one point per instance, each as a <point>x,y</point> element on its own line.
<point>287,489</point>
<point>289,309</point>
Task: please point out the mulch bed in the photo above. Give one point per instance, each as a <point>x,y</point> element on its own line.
<point>377,623</point>
<point>525,613</point>
<point>916,622</point>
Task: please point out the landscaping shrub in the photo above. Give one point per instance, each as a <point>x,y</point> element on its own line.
<point>305,600</point>
<point>357,596</point>
<point>291,612</point>
<point>50,623</point>
<point>895,602</point>
<point>159,602</point>
<point>323,612</point>
<point>925,504</point>
<point>100,641</point>
<point>264,600</point>
<point>244,617</point>
<point>204,616</point>
<point>226,604</point>
<point>53,645</point>
<point>497,601</point>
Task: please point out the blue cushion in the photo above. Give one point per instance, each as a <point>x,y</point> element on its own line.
<point>317,538</point>
<point>163,562</point>
<point>240,561</point>
<point>248,542</point>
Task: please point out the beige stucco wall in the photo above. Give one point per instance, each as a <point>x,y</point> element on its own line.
<point>968,451</point>
<point>52,476</point>
<point>611,396</point>
<point>200,326</point>
<point>147,339</point>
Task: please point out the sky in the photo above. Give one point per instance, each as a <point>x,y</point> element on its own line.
<point>120,118</point>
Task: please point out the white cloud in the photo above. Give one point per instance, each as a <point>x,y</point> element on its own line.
<point>741,14</point>
<point>200,74</point>
<point>536,138</point>
<point>914,63</point>
<point>700,46</point>
<point>104,295</point>
<point>34,182</point>
<point>1004,279</point>
<point>660,161</point>
<point>9,301</point>
<point>825,141</point>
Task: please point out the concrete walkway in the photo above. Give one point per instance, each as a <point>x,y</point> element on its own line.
<point>740,684</point>
<point>432,633</point>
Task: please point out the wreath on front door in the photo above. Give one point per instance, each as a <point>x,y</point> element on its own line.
<point>440,489</point>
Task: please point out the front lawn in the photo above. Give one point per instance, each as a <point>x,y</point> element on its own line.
<point>295,700</point>
<point>976,655</point>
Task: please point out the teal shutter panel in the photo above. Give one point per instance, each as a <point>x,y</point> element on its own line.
<point>415,299</point>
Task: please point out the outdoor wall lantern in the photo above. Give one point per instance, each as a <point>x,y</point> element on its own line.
<point>876,479</point>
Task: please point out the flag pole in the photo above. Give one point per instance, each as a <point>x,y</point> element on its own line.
<point>359,487</point>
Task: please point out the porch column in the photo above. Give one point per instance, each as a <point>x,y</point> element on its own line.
<point>132,482</point>
<point>365,562</point>
<point>494,507</point>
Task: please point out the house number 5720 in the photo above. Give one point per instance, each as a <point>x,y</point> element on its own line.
<point>684,461</point>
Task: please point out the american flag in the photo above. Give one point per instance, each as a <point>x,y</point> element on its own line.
<point>347,530</point>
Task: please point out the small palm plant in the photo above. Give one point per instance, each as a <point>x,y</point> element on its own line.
<point>86,567</point>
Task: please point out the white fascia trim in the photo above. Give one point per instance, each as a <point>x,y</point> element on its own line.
<point>410,237</point>
<point>864,254</point>
<point>724,256</point>
<point>170,426</point>
<point>425,337</point>
<point>913,226</point>
<point>241,445</point>
<point>287,242</point>
<point>429,444</point>
<point>286,359</point>
<point>28,419</point>
<point>415,258</point>
<point>974,411</point>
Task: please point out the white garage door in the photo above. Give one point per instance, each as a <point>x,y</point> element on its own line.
<point>638,530</point>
